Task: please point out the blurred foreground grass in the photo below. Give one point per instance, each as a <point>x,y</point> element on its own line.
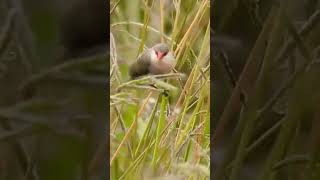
<point>155,134</point>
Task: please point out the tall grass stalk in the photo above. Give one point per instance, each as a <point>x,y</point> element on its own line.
<point>160,126</point>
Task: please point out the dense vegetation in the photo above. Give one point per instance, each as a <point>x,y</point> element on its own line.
<point>160,131</point>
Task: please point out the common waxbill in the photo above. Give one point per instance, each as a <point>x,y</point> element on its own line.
<point>156,60</point>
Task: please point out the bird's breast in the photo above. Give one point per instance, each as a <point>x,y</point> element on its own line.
<point>162,66</point>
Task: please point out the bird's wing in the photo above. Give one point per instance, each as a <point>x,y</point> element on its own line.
<point>141,66</point>
<point>144,57</point>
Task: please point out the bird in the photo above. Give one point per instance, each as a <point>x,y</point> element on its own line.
<point>156,60</point>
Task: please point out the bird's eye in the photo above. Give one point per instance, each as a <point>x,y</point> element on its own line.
<point>156,53</point>
<point>164,54</point>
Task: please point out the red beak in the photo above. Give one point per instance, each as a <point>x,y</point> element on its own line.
<point>160,55</point>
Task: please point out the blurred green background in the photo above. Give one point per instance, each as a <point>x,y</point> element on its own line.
<point>265,56</point>
<point>53,64</point>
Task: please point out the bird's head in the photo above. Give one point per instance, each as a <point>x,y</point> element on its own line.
<point>160,51</point>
